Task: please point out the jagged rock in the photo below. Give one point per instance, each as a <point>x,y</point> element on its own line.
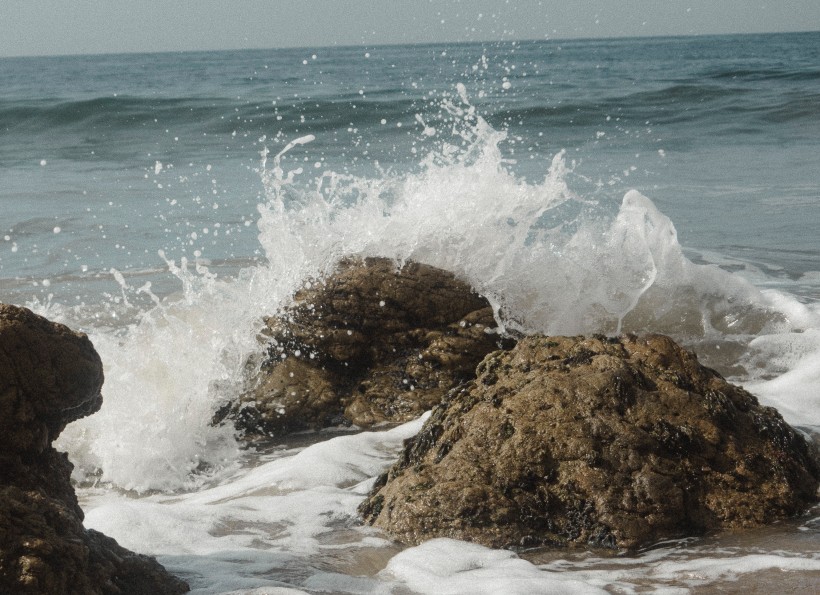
<point>594,441</point>
<point>372,343</point>
<point>50,376</point>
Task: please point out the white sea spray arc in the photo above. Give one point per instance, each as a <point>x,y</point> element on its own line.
<point>549,260</point>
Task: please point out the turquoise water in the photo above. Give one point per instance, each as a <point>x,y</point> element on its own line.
<point>723,133</point>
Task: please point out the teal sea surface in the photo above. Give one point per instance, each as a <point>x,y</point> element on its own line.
<point>722,133</point>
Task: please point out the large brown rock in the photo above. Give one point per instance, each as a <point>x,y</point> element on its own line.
<point>372,343</point>
<point>608,442</point>
<point>50,376</point>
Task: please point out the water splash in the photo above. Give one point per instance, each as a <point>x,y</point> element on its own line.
<point>548,260</point>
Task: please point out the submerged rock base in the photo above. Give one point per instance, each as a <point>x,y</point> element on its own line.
<point>372,343</point>
<point>50,376</point>
<point>593,441</point>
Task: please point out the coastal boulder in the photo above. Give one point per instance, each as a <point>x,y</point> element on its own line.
<point>50,376</point>
<point>374,342</point>
<point>594,441</point>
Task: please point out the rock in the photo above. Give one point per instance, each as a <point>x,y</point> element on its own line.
<point>50,376</point>
<point>372,343</point>
<point>594,441</point>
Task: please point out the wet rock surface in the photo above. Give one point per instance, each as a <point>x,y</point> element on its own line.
<point>371,343</point>
<point>50,376</point>
<point>594,441</point>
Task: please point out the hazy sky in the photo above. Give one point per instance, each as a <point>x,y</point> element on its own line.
<point>45,27</point>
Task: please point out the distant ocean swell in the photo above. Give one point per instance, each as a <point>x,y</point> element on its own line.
<point>765,74</point>
<point>672,104</point>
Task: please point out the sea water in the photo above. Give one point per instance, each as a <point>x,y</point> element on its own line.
<point>165,203</point>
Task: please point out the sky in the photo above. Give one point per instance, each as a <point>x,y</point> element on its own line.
<point>55,27</point>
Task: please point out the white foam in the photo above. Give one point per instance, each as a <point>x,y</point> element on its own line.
<point>676,569</point>
<point>796,391</point>
<point>446,566</point>
<point>278,514</point>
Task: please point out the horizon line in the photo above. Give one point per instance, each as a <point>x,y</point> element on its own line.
<point>400,44</point>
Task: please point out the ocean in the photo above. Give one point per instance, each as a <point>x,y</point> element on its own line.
<point>165,203</point>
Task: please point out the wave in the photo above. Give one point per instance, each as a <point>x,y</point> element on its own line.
<point>215,115</point>
<point>663,106</point>
<point>764,74</point>
<point>733,111</point>
<point>548,260</point>
<point>104,112</point>
<point>733,106</point>
<point>730,106</point>
<point>799,109</point>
